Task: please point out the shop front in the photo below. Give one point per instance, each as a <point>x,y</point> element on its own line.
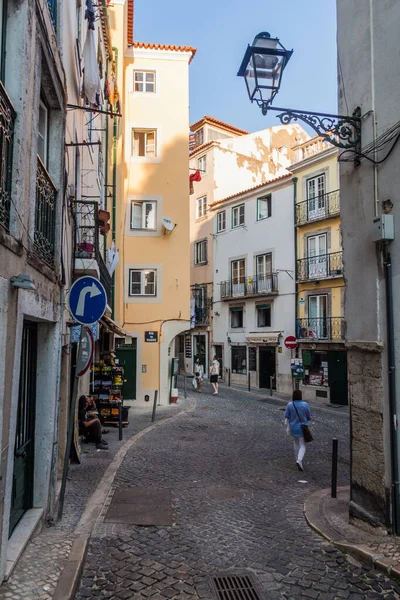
<point>325,375</point>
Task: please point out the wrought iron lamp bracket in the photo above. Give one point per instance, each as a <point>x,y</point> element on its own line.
<point>341,131</point>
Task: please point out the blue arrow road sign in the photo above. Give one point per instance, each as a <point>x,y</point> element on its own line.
<point>87,300</point>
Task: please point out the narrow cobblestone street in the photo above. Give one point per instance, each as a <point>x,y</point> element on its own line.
<point>237,506</point>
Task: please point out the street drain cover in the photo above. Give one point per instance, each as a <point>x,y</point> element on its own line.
<point>232,587</point>
<point>140,506</point>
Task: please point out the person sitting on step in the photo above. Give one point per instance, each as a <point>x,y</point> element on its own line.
<point>90,426</point>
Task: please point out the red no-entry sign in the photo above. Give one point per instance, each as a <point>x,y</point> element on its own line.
<point>290,342</point>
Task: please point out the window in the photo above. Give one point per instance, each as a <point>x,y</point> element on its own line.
<point>200,252</point>
<point>315,365</point>
<point>317,316</point>
<point>264,207</point>
<point>144,142</point>
<point>199,137</point>
<point>202,164</point>
<point>144,81</point>
<point>239,359</point>
<point>264,266</point>
<point>316,196</point>
<point>142,282</point>
<point>221,221</point>
<point>201,209</point>
<point>317,258</point>
<point>238,268</point>
<point>236,317</point>
<point>43,132</point>
<point>237,216</point>
<point>263,315</point>
<point>143,215</point>
<point>252,359</point>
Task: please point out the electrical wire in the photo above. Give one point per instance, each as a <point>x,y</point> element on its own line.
<point>376,146</point>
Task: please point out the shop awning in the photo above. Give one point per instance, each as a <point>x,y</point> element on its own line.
<point>110,324</point>
<point>271,338</point>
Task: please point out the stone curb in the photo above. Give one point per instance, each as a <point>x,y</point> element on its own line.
<point>362,552</point>
<point>68,582</point>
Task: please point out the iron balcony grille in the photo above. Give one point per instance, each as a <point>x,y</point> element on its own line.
<point>261,285</point>
<point>7,120</point>
<point>45,221</point>
<point>323,266</point>
<point>87,240</point>
<point>319,207</point>
<point>321,328</point>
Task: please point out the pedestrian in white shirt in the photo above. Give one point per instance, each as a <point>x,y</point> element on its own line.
<point>214,373</point>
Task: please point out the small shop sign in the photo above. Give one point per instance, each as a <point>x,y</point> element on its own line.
<point>296,365</point>
<point>151,336</point>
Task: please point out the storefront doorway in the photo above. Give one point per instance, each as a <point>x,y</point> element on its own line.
<point>22,484</point>
<point>267,366</point>
<point>126,355</point>
<point>337,377</point>
<point>200,351</point>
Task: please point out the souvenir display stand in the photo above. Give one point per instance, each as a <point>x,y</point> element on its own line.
<point>106,388</point>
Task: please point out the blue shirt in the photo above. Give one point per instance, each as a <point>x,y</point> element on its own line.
<point>295,423</point>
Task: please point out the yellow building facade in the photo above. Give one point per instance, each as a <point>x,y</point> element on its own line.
<point>320,282</point>
<point>152,280</point>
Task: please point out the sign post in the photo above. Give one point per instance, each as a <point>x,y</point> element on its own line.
<point>87,303</point>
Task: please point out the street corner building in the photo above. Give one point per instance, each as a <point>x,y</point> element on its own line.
<point>152,292</point>
<point>32,123</point>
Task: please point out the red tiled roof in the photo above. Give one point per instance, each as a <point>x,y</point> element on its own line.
<point>201,147</point>
<point>131,13</point>
<point>260,185</point>
<point>214,121</point>
<point>166,47</point>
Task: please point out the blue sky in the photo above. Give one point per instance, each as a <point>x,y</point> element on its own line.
<point>221,30</point>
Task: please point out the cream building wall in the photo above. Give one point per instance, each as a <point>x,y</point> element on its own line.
<point>162,179</point>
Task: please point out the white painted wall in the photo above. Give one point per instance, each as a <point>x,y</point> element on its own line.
<point>275,235</point>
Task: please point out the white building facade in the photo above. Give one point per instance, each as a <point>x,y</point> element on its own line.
<point>254,284</point>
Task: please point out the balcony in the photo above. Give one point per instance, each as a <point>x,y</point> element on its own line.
<point>202,305</point>
<point>318,208</point>
<point>7,119</point>
<point>250,287</point>
<point>88,255</point>
<point>45,219</point>
<point>321,328</point>
<point>324,266</point>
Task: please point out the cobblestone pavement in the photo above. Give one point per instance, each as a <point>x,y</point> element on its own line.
<point>38,570</point>
<point>237,502</point>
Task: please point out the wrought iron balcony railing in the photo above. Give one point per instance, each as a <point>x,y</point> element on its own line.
<point>320,328</point>
<point>45,220</point>
<point>250,286</point>
<point>7,120</point>
<point>319,207</point>
<point>323,266</point>
<point>87,240</point>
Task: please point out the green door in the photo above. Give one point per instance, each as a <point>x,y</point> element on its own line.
<point>127,358</point>
<point>22,485</point>
<point>337,376</point>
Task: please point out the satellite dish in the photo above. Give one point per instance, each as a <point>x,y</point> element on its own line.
<point>168,224</point>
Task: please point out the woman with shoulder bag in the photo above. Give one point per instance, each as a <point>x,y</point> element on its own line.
<point>297,416</point>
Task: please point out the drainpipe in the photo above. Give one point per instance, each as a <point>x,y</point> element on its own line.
<point>106,174</point>
<point>392,391</point>
<point>295,180</point>
<point>114,199</point>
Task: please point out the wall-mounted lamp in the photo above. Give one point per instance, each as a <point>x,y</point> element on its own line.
<point>23,281</point>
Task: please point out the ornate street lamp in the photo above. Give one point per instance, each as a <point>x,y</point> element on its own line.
<point>262,68</point>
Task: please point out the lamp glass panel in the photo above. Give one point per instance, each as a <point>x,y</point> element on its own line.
<point>250,78</point>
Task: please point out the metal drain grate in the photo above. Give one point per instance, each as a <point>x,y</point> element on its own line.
<point>232,587</point>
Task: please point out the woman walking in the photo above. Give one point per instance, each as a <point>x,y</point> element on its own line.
<point>199,374</point>
<point>297,414</point>
<point>214,373</point>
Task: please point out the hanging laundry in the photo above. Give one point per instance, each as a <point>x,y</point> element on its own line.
<point>99,55</point>
<point>107,90</point>
<point>91,79</point>
<point>89,13</point>
<point>112,258</point>
<point>195,176</point>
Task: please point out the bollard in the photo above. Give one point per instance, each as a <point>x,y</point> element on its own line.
<point>270,385</point>
<point>184,386</point>
<point>120,421</point>
<point>334,468</point>
<point>229,378</point>
<point>248,381</point>
<point>153,416</point>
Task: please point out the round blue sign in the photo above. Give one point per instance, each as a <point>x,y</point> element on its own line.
<point>87,300</point>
